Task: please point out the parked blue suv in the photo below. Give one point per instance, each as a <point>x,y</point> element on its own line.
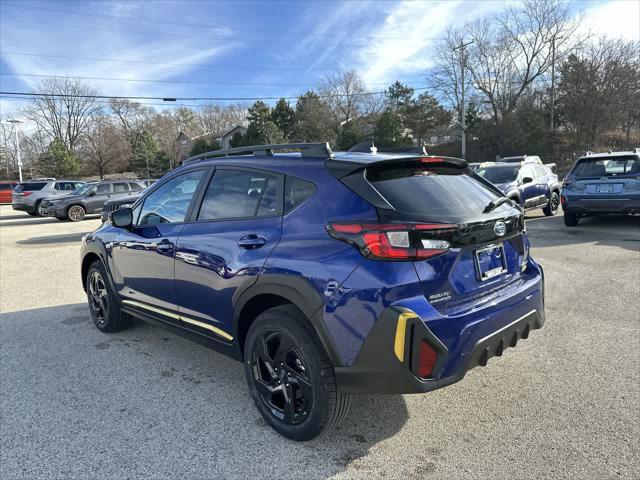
<point>327,274</point>
<point>530,184</point>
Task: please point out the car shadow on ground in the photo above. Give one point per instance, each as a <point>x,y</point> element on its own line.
<point>53,239</point>
<point>620,231</point>
<point>158,400</point>
<point>15,216</point>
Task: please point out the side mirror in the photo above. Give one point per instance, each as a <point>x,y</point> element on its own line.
<point>527,180</point>
<point>92,193</point>
<point>122,218</point>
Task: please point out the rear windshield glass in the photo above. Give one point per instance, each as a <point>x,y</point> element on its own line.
<point>603,167</point>
<point>433,193</point>
<point>30,187</point>
<point>6,186</point>
<point>499,174</point>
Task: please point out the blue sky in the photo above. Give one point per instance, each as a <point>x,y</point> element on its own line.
<point>236,48</point>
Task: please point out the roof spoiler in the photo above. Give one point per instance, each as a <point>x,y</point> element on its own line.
<point>368,146</point>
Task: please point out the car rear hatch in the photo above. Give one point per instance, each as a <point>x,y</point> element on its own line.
<point>466,250</point>
<point>25,189</point>
<point>602,177</point>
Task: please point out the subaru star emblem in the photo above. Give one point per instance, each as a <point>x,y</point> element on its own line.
<point>500,228</point>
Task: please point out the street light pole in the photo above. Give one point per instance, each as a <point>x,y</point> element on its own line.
<point>461,47</point>
<point>16,133</point>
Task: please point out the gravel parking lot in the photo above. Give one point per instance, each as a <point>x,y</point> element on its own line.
<point>76,403</point>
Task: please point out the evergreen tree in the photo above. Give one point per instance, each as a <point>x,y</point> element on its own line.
<point>262,130</point>
<point>314,120</point>
<point>144,155</point>
<point>58,161</point>
<point>283,115</point>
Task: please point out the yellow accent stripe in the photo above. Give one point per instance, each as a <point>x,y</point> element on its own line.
<point>166,313</point>
<point>217,331</point>
<point>401,330</point>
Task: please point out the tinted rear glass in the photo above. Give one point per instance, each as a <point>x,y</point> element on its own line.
<point>30,187</point>
<point>5,186</point>
<point>603,167</point>
<point>438,193</point>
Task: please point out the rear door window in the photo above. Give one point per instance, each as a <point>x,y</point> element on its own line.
<point>235,194</point>
<point>435,192</point>
<point>30,186</point>
<point>120,187</point>
<point>65,186</point>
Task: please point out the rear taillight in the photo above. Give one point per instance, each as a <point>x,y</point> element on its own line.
<point>23,194</point>
<point>427,359</point>
<point>394,241</point>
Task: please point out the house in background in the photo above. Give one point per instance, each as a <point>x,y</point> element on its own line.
<point>185,141</point>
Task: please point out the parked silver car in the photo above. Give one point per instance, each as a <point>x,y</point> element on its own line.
<point>90,199</point>
<point>28,196</point>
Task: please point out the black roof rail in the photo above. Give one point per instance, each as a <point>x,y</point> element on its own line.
<point>366,145</point>
<point>320,149</point>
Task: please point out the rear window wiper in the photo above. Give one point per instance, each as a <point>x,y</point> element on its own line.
<point>493,204</point>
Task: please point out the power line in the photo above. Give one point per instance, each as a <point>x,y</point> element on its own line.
<point>188,82</point>
<point>173,99</point>
<point>195,25</point>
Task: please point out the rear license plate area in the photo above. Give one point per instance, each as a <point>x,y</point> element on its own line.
<point>490,261</point>
<point>604,188</point>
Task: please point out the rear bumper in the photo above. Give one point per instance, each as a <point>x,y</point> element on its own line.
<point>23,207</point>
<point>584,204</point>
<point>379,369</point>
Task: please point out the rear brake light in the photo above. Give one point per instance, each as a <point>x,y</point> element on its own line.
<point>23,194</point>
<point>394,241</point>
<point>427,359</point>
<point>431,160</point>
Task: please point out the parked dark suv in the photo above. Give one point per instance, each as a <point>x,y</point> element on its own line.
<point>89,199</point>
<point>327,274</point>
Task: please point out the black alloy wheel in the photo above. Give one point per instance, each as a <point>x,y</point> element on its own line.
<point>290,377</point>
<point>103,301</point>
<point>281,377</point>
<point>552,207</point>
<point>98,298</point>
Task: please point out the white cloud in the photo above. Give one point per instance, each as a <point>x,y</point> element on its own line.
<point>408,32</point>
<point>620,18</point>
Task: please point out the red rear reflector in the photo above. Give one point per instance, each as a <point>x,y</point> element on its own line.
<point>426,360</point>
<point>347,228</point>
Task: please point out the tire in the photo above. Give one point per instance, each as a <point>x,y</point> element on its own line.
<point>283,358</point>
<point>76,213</point>
<point>571,219</point>
<point>103,301</point>
<point>552,207</point>
<point>37,211</point>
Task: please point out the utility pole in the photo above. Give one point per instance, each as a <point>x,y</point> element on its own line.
<point>461,47</point>
<point>553,80</point>
<point>17,144</point>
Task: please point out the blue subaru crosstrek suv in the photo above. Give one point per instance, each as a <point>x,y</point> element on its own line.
<point>327,274</point>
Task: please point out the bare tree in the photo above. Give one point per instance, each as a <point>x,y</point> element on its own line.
<point>599,90</point>
<point>65,110</point>
<point>132,117</point>
<point>348,97</point>
<point>105,146</point>
<point>218,119</point>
